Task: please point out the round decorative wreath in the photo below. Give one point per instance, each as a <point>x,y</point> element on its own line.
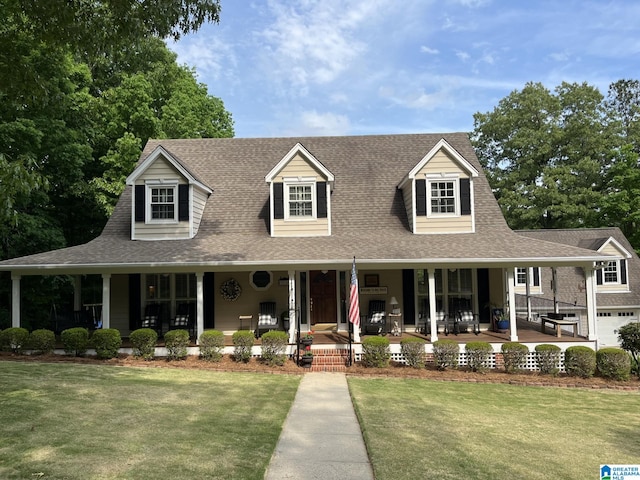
<point>230,290</point>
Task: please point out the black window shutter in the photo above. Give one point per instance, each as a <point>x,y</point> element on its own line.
<point>278,200</point>
<point>140,203</point>
<point>599,276</point>
<point>623,272</point>
<point>321,196</point>
<point>183,202</point>
<point>465,196</point>
<point>421,198</point>
<point>208,305</point>
<point>408,297</point>
<point>536,277</point>
<point>135,308</point>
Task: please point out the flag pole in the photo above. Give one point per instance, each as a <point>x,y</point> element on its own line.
<point>354,307</point>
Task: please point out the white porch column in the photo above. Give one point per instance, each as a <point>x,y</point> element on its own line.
<point>199,305</point>
<point>293,321</point>
<point>431,275</point>
<point>528,293</point>
<point>592,307</point>
<point>106,300</point>
<point>511,301</point>
<point>77,293</point>
<point>15,300</point>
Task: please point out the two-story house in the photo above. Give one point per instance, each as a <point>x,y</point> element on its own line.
<point>226,224</point>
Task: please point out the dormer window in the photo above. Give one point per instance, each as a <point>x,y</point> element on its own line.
<point>610,273</point>
<point>443,197</point>
<point>300,201</point>
<point>163,203</point>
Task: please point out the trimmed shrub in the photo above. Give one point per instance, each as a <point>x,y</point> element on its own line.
<point>478,355</point>
<point>107,342</point>
<point>445,353</point>
<point>14,339</point>
<point>613,363</point>
<point>514,355</point>
<point>211,345</point>
<point>412,349</point>
<point>75,340</point>
<point>375,352</point>
<point>243,341</point>
<point>629,337</point>
<point>548,357</point>
<point>580,361</point>
<point>274,344</point>
<point>144,342</point>
<point>177,343</point>
<point>42,341</point>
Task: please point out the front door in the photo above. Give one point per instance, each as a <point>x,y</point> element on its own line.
<point>323,297</point>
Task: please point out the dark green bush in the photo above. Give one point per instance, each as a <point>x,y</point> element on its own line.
<point>613,363</point>
<point>274,344</point>
<point>144,342</point>
<point>478,354</point>
<point>107,342</point>
<point>75,340</point>
<point>412,349</point>
<point>14,339</point>
<point>580,361</point>
<point>375,352</point>
<point>629,337</point>
<point>445,353</point>
<point>42,341</point>
<point>548,357</point>
<point>177,343</point>
<point>243,341</point>
<point>514,355</point>
<point>211,345</point>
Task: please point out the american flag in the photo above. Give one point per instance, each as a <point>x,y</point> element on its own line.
<point>354,301</point>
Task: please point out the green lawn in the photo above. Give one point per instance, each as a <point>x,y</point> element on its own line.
<point>104,422</point>
<point>428,429</point>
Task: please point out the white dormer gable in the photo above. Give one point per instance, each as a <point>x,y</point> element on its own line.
<point>438,192</point>
<point>613,277</point>
<point>167,198</point>
<point>300,195</point>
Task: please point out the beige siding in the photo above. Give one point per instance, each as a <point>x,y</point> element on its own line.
<point>610,249</point>
<point>120,304</point>
<point>161,170</point>
<point>227,313</point>
<point>408,202</point>
<point>298,228</point>
<point>441,163</point>
<point>199,201</point>
<point>299,167</point>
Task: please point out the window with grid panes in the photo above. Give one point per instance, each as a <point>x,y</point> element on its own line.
<point>163,204</point>
<point>443,197</point>
<point>300,201</point>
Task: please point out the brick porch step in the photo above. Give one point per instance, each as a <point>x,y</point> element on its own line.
<point>329,360</point>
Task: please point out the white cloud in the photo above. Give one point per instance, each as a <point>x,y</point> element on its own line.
<point>211,57</point>
<point>464,56</point>
<point>430,51</point>
<point>314,123</point>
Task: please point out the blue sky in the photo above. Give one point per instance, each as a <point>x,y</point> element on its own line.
<point>352,67</point>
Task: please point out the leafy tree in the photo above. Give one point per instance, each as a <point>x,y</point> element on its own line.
<point>629,337</point>
<point>542,152</point>
<point>623,105</point>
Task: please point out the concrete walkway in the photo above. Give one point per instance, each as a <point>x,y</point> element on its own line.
<point>321,437</point>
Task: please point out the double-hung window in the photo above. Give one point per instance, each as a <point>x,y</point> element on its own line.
<point>300,201</point>
<point>610,273</point>
<point>521,276</point>
<point>163,203</point>
<point>443,197</point>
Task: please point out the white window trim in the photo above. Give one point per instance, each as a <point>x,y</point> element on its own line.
<point>300,182</point>
<point>618,274</point>
<point>150,184</point>
<point>531,277</point>
<point>455,178</point>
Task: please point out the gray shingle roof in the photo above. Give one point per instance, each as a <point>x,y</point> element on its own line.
<point>593,238</point>
<point>369,219</point>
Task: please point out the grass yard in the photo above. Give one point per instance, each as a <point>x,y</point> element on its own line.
<point>426,429</point>
<point>103,422</point>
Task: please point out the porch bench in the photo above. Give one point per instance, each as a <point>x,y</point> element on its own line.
<point>558,322</point>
